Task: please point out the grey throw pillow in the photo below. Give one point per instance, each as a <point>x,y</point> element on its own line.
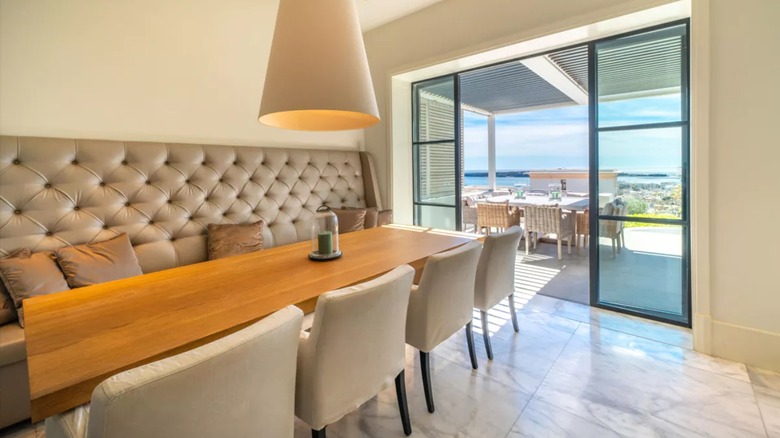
<point>225,240</point>
<point>7,306</point>
<point>94,263</point>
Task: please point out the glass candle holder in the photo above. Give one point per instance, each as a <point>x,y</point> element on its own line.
<point>325,235</point>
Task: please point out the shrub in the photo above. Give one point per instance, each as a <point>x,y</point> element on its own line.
<point>636,206</point>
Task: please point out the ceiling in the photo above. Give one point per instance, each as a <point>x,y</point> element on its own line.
<point>375,13</point>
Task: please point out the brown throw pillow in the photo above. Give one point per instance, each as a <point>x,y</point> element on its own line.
<point>372,214</point>
<point>7,306</point>
<point>28,275</point>
<point>227,240</point>
<point>93,263</point>
<point>351,219</point>
<point>385,217</point>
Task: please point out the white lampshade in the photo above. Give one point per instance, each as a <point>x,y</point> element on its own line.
<point>318,77</point>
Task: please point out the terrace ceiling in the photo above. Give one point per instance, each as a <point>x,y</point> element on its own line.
<point>648,64</point>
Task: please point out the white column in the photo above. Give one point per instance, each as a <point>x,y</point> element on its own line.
<point>492,152</point>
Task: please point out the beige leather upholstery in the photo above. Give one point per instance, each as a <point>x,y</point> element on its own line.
<point>12,345</point>
<point>58,192</point>
<point>239,386</point>
<point>443,303</point>
<point>355,349</point>
<point>496,269</point>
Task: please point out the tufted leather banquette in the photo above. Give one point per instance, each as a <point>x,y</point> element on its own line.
<point>58,192</point>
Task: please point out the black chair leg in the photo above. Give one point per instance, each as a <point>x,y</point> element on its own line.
<point>425,365</point>
<point>403,407</point>
<point>486,334</point>
<point>472,350</point>
<point>513,312</point>
<point>318,433</point>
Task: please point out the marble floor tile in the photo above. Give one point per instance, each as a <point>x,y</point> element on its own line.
<point>642,347</point>
<point>609,385</point>
<point>542,420</point>
<point>666,333</point>
<point>24,430</point>
<point>764,378</point>
<point>520,359</point>
<point>467,405</point>
<point>769,403</point>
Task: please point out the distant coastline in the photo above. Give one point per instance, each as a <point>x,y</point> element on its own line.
<point>525,173</point>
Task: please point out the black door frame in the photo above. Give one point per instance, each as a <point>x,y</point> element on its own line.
<point>416,202</point>
<point>594,216</point>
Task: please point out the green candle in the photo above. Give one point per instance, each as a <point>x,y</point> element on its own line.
<point>325,242</point>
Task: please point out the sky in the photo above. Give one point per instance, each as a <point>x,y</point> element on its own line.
<point>558,137</point>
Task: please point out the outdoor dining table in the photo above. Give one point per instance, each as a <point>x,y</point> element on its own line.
<point>571,203</point>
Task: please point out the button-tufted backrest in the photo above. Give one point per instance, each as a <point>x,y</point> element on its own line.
<point>58,192</point>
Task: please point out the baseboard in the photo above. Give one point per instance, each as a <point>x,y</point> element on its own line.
<point>702,333</point>
<point>744,344</point>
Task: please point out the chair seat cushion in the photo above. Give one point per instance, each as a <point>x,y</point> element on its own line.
<point>100,262</point>
<point>12,345</point>
<point>227,240</point>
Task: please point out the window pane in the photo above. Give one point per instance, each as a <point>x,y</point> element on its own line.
<point>640,78</point>
<point>646,272</point>
<point>435,176</point>
<point>644,169</point>
<point>434,110</point>
<point>435,217</point>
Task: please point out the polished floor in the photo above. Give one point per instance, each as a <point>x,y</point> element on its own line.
<point>571,371</point>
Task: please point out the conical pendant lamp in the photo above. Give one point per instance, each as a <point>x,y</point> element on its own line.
<point>318,77</point>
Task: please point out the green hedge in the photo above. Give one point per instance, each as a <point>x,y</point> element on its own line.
<point>650,215</point>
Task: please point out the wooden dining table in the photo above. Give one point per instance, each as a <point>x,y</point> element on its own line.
<point>78,338</point>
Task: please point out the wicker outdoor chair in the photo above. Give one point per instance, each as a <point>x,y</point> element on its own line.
<point>546,220</point>
<point>613,230</point>
<point>496,215</point>
<point>583,229</point>
<point>470,216</point>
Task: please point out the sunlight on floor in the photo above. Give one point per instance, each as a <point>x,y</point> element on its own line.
<point>529,280</point>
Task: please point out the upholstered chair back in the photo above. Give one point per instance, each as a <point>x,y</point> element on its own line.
<point>59,192</point>
<point>355,349</point>
<point>496,269</point>
<point>242,385</point>
<point>444,300</point>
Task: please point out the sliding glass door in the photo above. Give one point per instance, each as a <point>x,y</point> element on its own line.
<point>639,140</point>
<point>436,155</point>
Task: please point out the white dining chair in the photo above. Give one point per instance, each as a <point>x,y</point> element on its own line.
<point>441,305</point>
<point>495,278</point>
<point>240,385</point>
<point>355,349</point>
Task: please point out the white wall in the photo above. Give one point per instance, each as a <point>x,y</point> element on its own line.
<point>736,146</point>
<point>173,70</point>
<point>744,211</point>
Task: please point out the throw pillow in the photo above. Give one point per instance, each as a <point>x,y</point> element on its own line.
<point>225,240</point>
<point>99,262</point>
<point>7,306</point>
<point>385,217</point>
<point>351,219</point>
<point>372,214</point>
<point>28,275</point>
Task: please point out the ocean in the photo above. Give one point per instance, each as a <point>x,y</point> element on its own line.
<point>510,181</point>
